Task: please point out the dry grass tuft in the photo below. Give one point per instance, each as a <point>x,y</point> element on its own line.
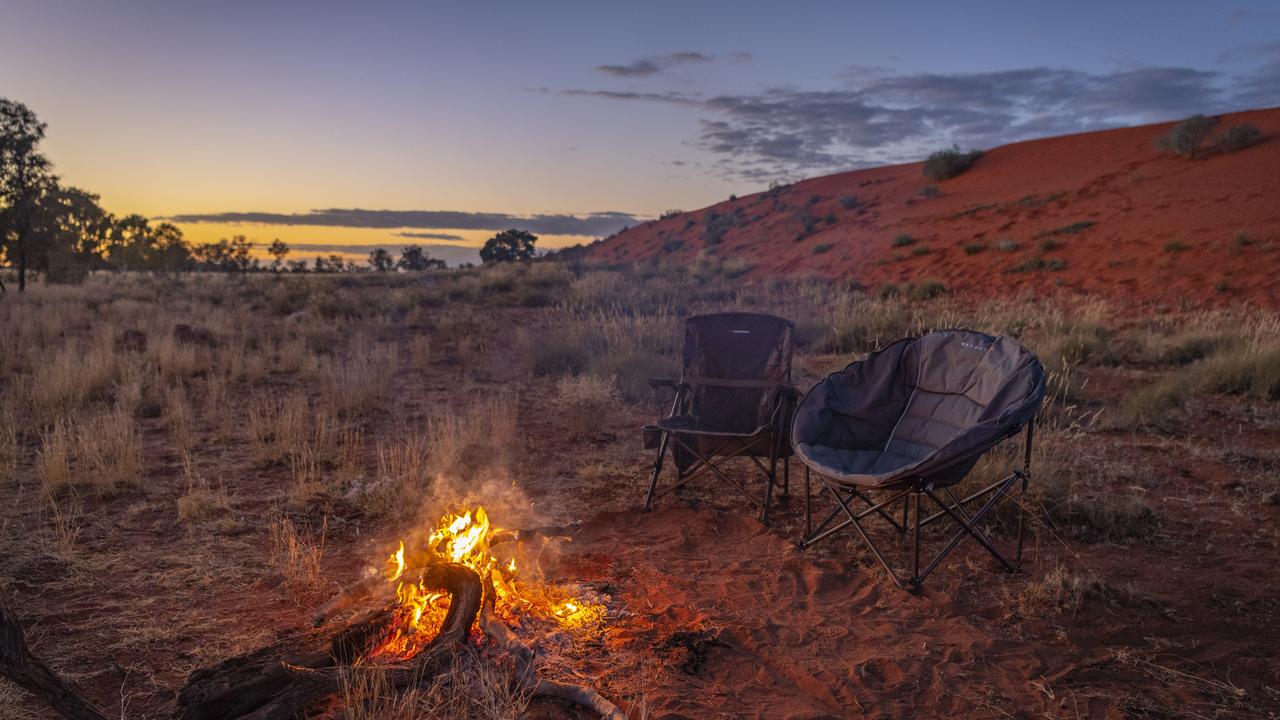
<point>586,399</point>
<point>297,554</point>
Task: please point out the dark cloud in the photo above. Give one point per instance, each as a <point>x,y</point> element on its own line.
<point>646,67</point>
<point>589,225</point>
<point>880,116</point>
<point>453,255</point>
<point>430,236</point>
<point>639,68</point>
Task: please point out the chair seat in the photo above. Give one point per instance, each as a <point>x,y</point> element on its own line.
<point>688,425</point>
<point>866,468</point>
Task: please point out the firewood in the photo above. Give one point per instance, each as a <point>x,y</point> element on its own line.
<point>283,680</point>
<point>26,671</point>
<point>501,635</point>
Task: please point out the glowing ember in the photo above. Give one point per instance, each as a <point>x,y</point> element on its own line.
<point>464,538</point>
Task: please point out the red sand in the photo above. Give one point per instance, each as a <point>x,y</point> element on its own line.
<point>1164,227</point>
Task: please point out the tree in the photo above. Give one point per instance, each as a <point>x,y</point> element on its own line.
<point>414,259</point>
<point>277,250</point>
<point>232,255</point>
<point>24,176</point>
<point>508,246</point>
<point>68,234</point>
<point>381,260</point>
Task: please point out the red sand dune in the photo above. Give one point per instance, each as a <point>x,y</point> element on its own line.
<point>1164,227</point>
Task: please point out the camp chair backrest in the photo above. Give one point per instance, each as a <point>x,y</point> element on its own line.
<point>956,380</point>
<point>734,365</point>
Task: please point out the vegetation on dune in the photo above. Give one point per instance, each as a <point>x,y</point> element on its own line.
<point>946,164</point>
<point>1188,138</point>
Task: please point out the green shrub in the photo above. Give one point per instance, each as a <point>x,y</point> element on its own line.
<point>821,248</point>
<point>926,289</point>
<point>565,351</point>
<point>974,248</point>
<point>1187,136</point>
<point>1007,246</point>
<point>672,245</point>
<point>1248,371</point>
<point>848,202</point>
<point>1176,246</point>
<point>1072,229</point>
<point>921,250</point>
<point>946,164</point>
<point>1049,244</point>
<point>1241,239</point>
<point>903,240</point>
<point>631,371</point>
<point>1237,137</point>
<point>929,191</point>
<point>1156,405</point>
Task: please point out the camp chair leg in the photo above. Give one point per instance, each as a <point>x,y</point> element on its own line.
<point>915,552</point>
<point>657,470</point>
<point>808,507</point>
<point>768,487</point>
<point>786,479</point>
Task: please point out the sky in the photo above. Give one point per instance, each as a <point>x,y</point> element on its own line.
<point>336,126</point>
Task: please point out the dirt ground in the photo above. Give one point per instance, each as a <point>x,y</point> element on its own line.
<point>1154,597</point>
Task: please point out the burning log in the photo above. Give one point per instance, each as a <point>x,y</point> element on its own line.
<point>26,671</point>
<point>283,680</point>
<point>300,671</point>
<point>579,695</point>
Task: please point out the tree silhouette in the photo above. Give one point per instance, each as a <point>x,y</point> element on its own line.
<point>508,246</point>
<point>414,259</point>
<point>381,260</point>
<point>24,177</point>
<point>277,250</point>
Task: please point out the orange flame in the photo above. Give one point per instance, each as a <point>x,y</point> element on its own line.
<point>464,538</point>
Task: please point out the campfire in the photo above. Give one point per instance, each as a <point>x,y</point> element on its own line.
<point>466,538</point>
<point>438,595</point>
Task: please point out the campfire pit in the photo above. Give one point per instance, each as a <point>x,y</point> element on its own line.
<point>437,596</point>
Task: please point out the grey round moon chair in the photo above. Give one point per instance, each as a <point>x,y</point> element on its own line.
<point>909,422</point>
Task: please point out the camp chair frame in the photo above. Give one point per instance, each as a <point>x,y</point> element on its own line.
<point>771,434</point>
<point>910,494</point>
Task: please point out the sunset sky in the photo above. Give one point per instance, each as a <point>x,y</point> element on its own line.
<point>466,118</point>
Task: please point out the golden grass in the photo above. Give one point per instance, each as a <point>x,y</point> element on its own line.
<point>297,554</point>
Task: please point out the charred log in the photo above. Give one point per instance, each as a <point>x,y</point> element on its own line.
<point>284,679</point>
<point>579,695</point>
<point>27,672</point>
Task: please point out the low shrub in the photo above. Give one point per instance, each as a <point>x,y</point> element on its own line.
<point>1237,137</point>
<point>1176,246</point>
<point>821,248</point>
<point>1188,136</point>
<point>848,202</point>
<point>1007,246</point>
<point>974,248</point>
<point>903,240</point>
<point>949,163</point>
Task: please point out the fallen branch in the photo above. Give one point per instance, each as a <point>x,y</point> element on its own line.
<point>501,635</point>
<point>269,683</point>
<point>27,672</point>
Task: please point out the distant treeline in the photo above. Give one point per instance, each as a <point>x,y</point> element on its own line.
<point>63,233</point>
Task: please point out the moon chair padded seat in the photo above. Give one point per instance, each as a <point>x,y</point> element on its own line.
<point>921,408</point>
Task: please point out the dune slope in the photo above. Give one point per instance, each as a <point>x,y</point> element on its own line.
<point>1101,212</point>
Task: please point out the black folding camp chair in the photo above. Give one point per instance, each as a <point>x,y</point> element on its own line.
<point>909,422</point>
<point>734,399</point>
